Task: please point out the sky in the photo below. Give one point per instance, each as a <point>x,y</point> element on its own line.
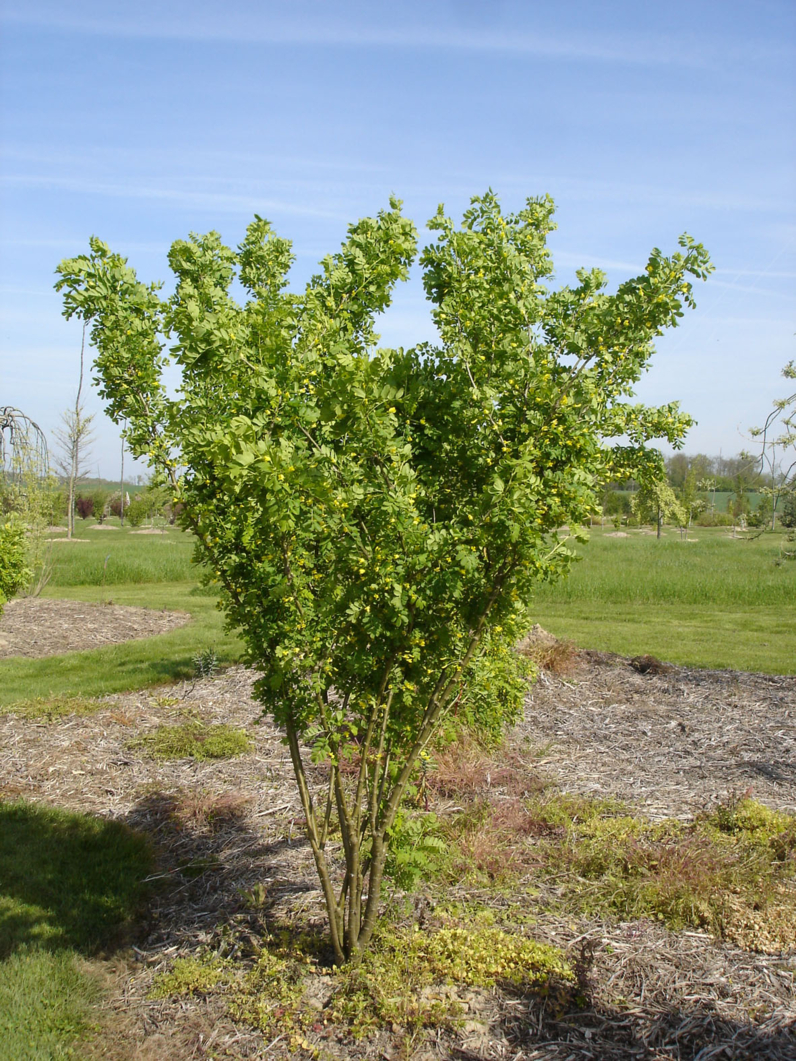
<point>142,122</point>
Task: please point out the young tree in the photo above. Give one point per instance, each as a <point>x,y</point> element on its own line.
<point>777,440</point>
<point>691,504</point>
<point>378,518</point>
<point>655,502</point>
<point>74,439</point>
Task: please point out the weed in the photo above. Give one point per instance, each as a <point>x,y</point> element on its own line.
<point>166,701</point>
<point>720,872</point>
<point>417,850</point>
<point>205,663</point>
<point>410,977</point>
<point>213,809</point>
<point>193,740</point>
<point>553,656</point>
<point>466,770</point>
<point>191,976</point>
<point>752,824</point>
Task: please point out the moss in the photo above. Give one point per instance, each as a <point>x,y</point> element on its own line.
<point>193,740</point>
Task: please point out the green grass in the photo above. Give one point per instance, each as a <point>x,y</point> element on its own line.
<point>132,664</point>
<point>713,602</point>
<point>45,1005</point>
<point>67,880</point>
<point>120,556</point>
<point>70,884</point>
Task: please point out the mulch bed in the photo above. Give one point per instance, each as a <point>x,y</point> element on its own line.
<point>669,743</point>
<point>41,626</point>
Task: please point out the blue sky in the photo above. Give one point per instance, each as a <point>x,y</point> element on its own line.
<point>142,122</point>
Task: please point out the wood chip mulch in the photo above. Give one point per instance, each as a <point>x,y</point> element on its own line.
<point>669,743</point>
<point>43,626</point>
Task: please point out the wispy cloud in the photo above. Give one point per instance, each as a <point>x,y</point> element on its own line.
<point>424,27</point>
<point>203,199</point>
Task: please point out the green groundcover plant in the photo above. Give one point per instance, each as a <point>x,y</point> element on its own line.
<point>378,518</point>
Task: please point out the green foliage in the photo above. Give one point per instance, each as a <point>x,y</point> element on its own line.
<point>616,503</point>
<point>417,850</point>
<point>788,514</point>
<point>378,519</point>
<point>150,503</point>
<point>656,502</point>
<point>15,571</point>
<point>136,512</point>
<point>190,976</point>
<point>194,740</point>
<point>100,507</point>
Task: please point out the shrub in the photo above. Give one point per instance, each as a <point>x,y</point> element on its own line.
<point>84,506</point>
<point>136,512</point>
<point>14,568</point>
<point>378,519</point>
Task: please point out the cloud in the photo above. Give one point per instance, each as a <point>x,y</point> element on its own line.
<point>427,27</point>
<point>203,199</point>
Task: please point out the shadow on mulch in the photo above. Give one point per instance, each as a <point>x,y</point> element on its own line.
<point>609,1034</point>
<point>210,864</point>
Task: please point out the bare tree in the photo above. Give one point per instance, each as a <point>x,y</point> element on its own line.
<point>74,440</point>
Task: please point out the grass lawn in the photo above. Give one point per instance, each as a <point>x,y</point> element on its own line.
<point>715,601</point>
<point>69,885</point>
<point>132,664</point>
<point>146,570</point>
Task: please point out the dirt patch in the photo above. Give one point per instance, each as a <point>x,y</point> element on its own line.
<point>103,527</point>
<point>40,626</point>
<point>150,530</point>
<point>669,744</point>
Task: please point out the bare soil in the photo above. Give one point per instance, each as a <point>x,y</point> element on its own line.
<point>40,626</point>
<point>669,743</point>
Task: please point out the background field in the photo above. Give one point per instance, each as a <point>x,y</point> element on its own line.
<point>713,601</point>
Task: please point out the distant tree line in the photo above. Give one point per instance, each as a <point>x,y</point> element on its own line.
<point>708,491</point>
